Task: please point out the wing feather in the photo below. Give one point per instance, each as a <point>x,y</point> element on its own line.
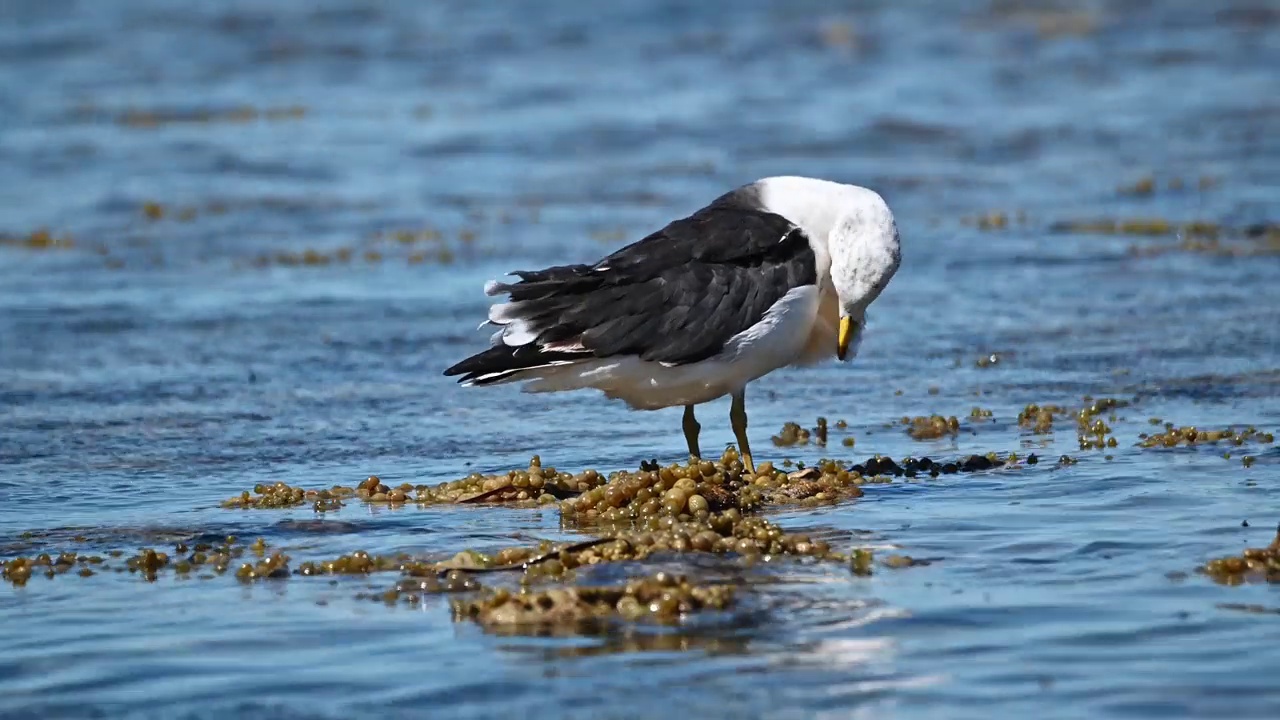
<point>676,296</point>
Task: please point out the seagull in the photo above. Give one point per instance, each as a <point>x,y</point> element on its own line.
<point>775,273</point>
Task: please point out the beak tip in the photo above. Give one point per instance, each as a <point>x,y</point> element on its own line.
<point>847,329</point>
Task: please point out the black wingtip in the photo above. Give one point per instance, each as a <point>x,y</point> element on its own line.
<point>500,361</point>
<point>456,368</point>
<point>467,368</point>
<point>498,357</point>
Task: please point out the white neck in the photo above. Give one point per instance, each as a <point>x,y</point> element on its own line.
<point>832,214</point>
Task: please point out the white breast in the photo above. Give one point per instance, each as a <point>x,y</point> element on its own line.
<point>825,330</point>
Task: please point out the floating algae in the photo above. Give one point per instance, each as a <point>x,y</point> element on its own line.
<point>373,490</point>
<point>281,495</point>
<point>861,562</point>
<point>1148,185</point>
<point>1092,432</point>
<point>1128,226</point>
<point>275,567</point>
<point>357,563</point>
<point>933,427</point>
<point>993,221</point>
<point>1143,186</point>
<point>361,562</point>
<point>1204,239</point>
<point>1191,436</point>
<point>1253,565</point>
<point>1039,419</point>
<point>41,239</point>
<point>793,434</point>
<point>989,360</point>
<point>554,559</point>
<point>154,118</point>
<point>898,562</point>
<point>1196,236</point>
<point>1250,608</point>
<point>416,246</point>
<point>19,569</point>
<point>147,562</point>
<point>412,590</point>
<point>1089,422</point>
<point>661,598</point>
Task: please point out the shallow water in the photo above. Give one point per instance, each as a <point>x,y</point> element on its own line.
<point>167,357</point>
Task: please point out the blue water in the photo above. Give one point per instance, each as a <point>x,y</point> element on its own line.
<point>161,364</point>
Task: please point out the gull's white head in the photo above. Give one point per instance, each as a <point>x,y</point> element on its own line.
<point>853,235</point>
<point>865,255</point>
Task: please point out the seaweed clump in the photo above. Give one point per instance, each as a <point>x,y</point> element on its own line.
<point>1254,564</point>
<point>706,507</point>
<point>373,490</point>
<point>1196,236</point>
<point>152,118</point>
<point>274,567</point>
<point>147,562</point>
<point>793,434</point>
<point>281,495</point>
<point>701,506</point>
<point>40,239</point>
<point>532,486</point>
<point>19,570</point>
<point>357,563</point>
<point>1091,430</point>
<point>1039,418</point>
<point>727,532</point>
<point>413,589</point>
<point>933,427</point>
<point>661,598</point>
<point>1190,436</point>
<point>700,488</point>
<point>862,561</point>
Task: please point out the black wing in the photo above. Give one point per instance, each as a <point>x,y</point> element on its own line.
<point>676,296</point>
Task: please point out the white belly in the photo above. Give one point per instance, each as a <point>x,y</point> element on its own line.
<point>780,338</point>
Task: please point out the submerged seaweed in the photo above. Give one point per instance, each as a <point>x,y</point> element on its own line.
<point>661,598</point>
<point>1252,565</point>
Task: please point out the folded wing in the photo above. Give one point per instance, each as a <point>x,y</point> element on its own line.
<point>675,297</point>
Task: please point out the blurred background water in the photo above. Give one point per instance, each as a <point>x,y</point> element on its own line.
<point>240,241</point>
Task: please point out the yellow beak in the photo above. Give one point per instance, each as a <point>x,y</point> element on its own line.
<point>847,329</point>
